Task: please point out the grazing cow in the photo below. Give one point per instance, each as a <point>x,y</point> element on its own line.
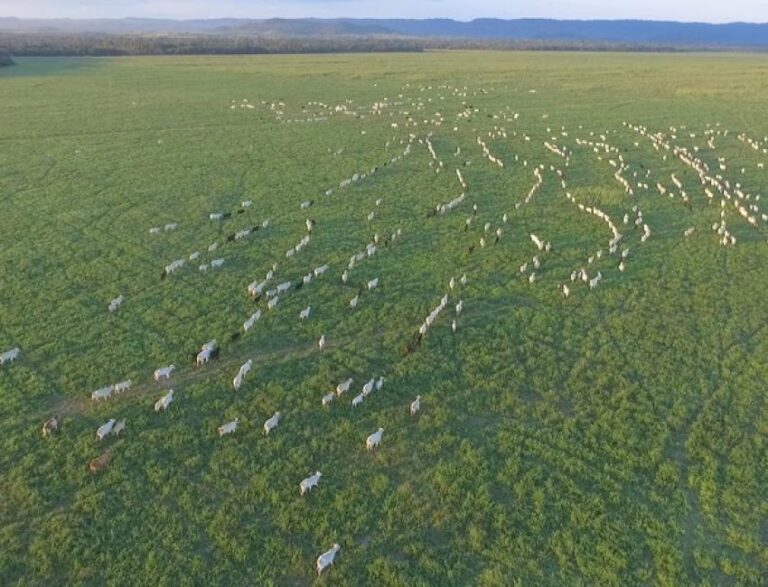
<point>566,290</point>
<point>344,386</point>
<point>459,307</point>
<point>373,284</point>
<point>228,428</point>
<point>164,373</point>
<point>272,423</point>
<point>345,276</point>
<point>453,326</point>
<point>104,430</point>
<point>353,302</point>
<point>357,400</point>
<point>304,314</point>
<point>216,263</point>
<point>321,342</point>
<point>379,383</point>
<point>306,204</point>
<point>50,426</point>
<point>538,242</point>
<point>325,560</point>
<point>307,484</point>
<point>328,398</point>
<point>9,356</point>
<point>119,427</point>
<point>103,393</point>
<point>101,462</point>
<point>374,439</point>
<point>272,304</point>
<point>164,402</point>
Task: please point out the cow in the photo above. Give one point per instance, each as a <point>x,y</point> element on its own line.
<point>307,484</point>
<point>374,439</point>
<point>164,372</point>
<point>164,402</point>
<point>104,430</point>
<point>50,426</point>
<point>119,427</point>
<point>415,405</point>
<point>325,560</point>
<point>228,428</point>
<point>101,462</point>
<point>9,356</point>
<point>272,423</point>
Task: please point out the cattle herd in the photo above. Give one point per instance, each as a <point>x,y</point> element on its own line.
<point>413,129</point>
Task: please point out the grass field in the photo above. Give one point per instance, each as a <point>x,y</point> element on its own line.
<point>614,437</point>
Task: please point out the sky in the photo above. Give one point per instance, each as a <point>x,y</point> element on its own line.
<point>684,10</point>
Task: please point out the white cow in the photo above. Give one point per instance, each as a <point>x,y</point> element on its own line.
<point>248,324</point>
<point>357,400</point>
<point>229,427</point>
<point>353,302</point>
<point>9,356</point>
<point>368,387</point>
<point>104,430</point>
<point>344,386</point>
<point>310,482</point>
<point>415,405</point>
<point>379,382</point>
<point>345,276</point>
<point>119,427</point>
<point>328,398</point>
<point>272,423</point>
<point>115,304</point>
<point>122,386</point>
<point>164,402</point>
<point>304,314</point>
<point>325,560</point>
<point>459,307</point>
<point>374,439</point>
<point>245,368</point>
<point>538,242</point>
<point>164,372</point>
<point>206,352</point>
<point>103,393</point>
<point>272,304</point>
<point>321,342</point>
<point>373,284</point>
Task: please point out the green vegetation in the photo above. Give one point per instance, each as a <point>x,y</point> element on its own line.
<point>617,437</point>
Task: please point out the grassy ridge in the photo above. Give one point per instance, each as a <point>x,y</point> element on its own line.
<point>616,437</point>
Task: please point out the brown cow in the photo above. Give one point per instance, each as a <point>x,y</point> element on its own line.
<point>100,462</point>
<point>50,426</point>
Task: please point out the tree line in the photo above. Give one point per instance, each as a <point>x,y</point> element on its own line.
<point>39,44</point>
<point>5,59</point>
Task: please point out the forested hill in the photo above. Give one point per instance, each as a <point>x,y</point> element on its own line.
<point>632,32</point>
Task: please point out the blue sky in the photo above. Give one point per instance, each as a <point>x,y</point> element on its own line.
<point>686,10</point>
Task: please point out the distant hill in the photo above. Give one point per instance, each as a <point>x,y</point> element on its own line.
<point>631,32</point>
<point>5,60</point>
